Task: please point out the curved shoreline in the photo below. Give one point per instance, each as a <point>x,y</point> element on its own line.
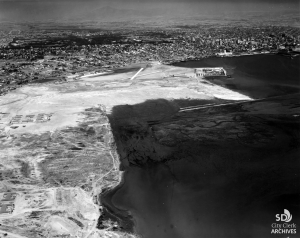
<point>107,196</point>
<point>123,217</point>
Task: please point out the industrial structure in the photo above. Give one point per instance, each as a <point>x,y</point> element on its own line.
<point>224,54</point>
<point>208,72</point>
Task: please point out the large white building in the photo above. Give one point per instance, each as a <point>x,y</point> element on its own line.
<point>216,71</point>
<point>224,54</point>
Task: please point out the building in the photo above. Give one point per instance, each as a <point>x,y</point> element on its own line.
<point>207,72</point>
<point>224,54</point>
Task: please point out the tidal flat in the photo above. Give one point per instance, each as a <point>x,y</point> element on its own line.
<point>213,172</point>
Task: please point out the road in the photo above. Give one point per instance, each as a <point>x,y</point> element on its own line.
<point>94,185</point>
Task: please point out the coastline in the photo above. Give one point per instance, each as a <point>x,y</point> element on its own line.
<point>232,56</point>
<point>245,143</point>
<point>108,194</point>
<point>149,102</point>
<point>124,218</point>
<point>216,56</point>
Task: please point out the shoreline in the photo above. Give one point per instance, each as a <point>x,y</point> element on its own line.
<point>245,146</point>
<point>232,56</point>
<point>107,195</point>
<point>81,129</point>
<point>129,67</point>
<point>215,56</point>
<point>123,217</point>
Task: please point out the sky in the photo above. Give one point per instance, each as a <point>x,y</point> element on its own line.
<point>89,10</point>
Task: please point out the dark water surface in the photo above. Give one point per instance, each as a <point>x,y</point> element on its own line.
<point>215,172</point>
<point>257,76</point>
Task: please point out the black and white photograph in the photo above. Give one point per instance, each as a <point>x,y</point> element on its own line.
<point>149,119</point>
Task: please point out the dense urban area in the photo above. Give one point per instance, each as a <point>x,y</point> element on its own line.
<point>54,55</point>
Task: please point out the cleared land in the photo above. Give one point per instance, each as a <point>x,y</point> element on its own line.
<point>57,151</point>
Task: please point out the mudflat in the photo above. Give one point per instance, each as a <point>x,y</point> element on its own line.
<point>216,171</point>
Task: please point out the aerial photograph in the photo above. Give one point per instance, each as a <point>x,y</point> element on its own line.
<point>149,119</point>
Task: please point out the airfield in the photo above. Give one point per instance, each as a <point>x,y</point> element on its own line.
<point>57,150</point>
